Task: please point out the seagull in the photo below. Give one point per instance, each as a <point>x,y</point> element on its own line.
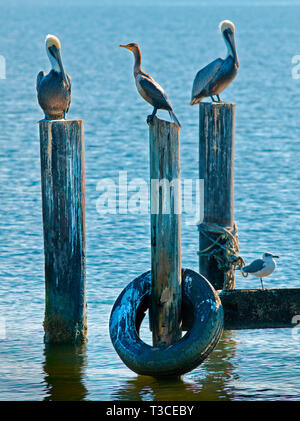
<point>217,75</point>
<point>261,267</point>
<point>54,89</point>
<point>150,90</point>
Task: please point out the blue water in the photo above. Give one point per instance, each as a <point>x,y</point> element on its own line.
<point>176,41</point>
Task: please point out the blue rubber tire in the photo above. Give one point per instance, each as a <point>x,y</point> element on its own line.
<point>184,355</point>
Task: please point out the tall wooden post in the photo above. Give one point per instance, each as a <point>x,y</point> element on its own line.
<point>166,295</point>
<point>216,167</point>
<point>63,198</point>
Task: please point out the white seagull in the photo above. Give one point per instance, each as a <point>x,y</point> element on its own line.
<point>261,267</point>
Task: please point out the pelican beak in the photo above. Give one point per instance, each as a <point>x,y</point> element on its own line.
<point>275,257</point>
<point>229,36</point>
<point>56,54</point>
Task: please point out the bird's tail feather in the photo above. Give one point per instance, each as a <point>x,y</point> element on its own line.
<point>174,118</point>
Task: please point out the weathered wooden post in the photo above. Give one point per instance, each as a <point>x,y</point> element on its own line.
<point>165,287</point>
<point>165,310</point>
<point>216,166</point>
<point>63,199</point>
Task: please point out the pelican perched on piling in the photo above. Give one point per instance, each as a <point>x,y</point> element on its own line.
<point>150,90</point>
<point>216,76</point>
<point>54,89</point>
<point>261,267</point>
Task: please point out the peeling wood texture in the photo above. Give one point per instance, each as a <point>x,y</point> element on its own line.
<point>166,294</point>
<point>63,199</point>
<point>256,308</point>
<point>216,167</point>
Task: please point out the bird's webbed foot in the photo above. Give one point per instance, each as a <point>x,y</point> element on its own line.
<point>218,98</point>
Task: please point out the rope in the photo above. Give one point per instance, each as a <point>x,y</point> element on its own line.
<point>224,249</point>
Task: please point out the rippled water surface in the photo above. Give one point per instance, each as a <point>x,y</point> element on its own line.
<point>176,42</point>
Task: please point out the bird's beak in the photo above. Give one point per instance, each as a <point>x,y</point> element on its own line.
<point>56,53</point>
<point>125,46</point>
<point>230,38</point>
<point>275,257</point>
<point>62,68</point>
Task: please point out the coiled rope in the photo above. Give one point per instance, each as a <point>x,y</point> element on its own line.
<point>224,249</point>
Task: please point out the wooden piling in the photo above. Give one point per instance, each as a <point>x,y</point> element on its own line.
<point>63,200</point>
<point>216,167</point>
<point>260,308</point>
<point>166,297</point>
<point>256,308</point>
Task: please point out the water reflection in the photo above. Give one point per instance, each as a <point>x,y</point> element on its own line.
<point>64,368</point>
<point>209,382</point>
<point>219,370</point>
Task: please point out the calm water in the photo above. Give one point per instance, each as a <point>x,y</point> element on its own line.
<point>176,41</point>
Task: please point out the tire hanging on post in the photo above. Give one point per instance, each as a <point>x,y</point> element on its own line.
<point>182,356</point>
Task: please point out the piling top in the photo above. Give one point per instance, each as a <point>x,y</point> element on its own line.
<point>216,104</point>
<point>61,120</point>
<point>163,123</point>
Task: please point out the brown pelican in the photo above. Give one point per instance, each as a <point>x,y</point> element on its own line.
<point>216,76</point>
<point>261,267</point>
<point>54,89</point>
<point>150,90</point>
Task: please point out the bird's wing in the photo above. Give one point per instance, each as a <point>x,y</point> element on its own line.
<point>69,89</point>
<point>69,81</point>
<point>154,92</point>
<point>255,266</point>
<point>39,77</point>
<point>205,75</point>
